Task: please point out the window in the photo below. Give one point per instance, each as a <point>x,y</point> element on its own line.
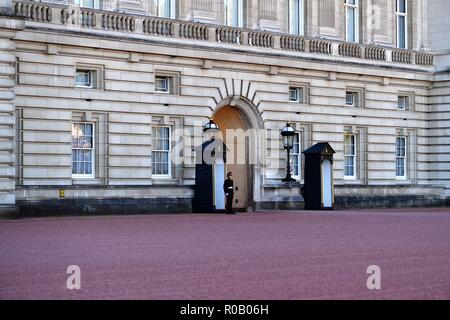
<point>167,82</point>
<point>85,78</point>
<point>295,94</point>
<point>354,97</point>
<point>350,98</point>
<point>163,84</point>
<point>296,157</point>
<point>17,71</point>
<point>83,150</point>
<point>352,20</point>
<point>349,156</point>
<point>296,17</point>
<point>403,102</point>
<point>401,12</point>
<point>400,158</point>
<point>161,151</point>
<point>234,13</point>
<point>87,3</point>
<point>89,76</point>
<point>165,8</point>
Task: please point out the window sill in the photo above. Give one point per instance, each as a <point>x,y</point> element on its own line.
<point>164,93</point>
<point>164,181</point>
<point>298,103</point>
<point>87,181</point>
<point>352,182</point>
<point>403,181</point>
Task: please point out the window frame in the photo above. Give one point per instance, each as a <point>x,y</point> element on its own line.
<point>92,75</point>
<point>300,91</point>
<point>406,99</point>
<point>80,3</point>
<point>399,14</point>
<point>355,7</point>
<point>300,23</point>
<point>405,157</point>
<point>233,18</point>
<point>92,175</point>
<point>354,98</point>
<point>298,136</point>
<point>171,4</point>
<point>169,153</point>
<point>354,163</point>
<point>170,84</point>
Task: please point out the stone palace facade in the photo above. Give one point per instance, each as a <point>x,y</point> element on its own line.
<point>93,93</point>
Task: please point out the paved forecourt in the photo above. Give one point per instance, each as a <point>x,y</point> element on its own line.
<point>272,255</point>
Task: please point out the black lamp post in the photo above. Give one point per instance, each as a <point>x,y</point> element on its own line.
<point>288,133</point>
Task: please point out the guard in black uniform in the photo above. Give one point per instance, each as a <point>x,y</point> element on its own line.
<point>228,188</point>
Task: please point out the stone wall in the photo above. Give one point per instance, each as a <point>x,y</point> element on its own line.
<point>259,68</point>
<point>439,131</point>
<point>8,29</point>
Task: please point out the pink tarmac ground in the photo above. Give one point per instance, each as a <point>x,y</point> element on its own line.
<point>279,255</point>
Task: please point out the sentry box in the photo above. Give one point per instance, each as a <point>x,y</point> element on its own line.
<point>318,190</point>
<point>210,176</point>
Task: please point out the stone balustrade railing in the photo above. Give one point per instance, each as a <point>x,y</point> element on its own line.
<point>159,27</point>
<point>424,59</point>
<point>229,35</point>
<point>85,18</point>
<point>118,22</point>
<point>260,39</point>
<point>293,43</point>
<point>352,50</point>
<point>170,28</point>
<point>320,46</point>
<point>375,53</point>
<point>34,11</point>
<point>194,31</point>
<point>402,56</point>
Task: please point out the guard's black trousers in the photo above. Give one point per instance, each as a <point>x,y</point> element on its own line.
<point>229,204</point>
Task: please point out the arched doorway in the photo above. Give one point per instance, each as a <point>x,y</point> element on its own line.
<point>233,124</point>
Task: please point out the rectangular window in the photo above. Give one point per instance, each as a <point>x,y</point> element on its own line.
<point>349,156</point>
<point>403,102</point>
<point>350,98</point>
<point>234,13</point>
<point>163,84</point>
<point>165,8</point>
<point>295,94</point>
<point>296,157</point>
<point>296,17</point>
<point>400,158</point>
<point>161,151</point>
<point>85,78</point>
<point>83,150</point>
<point>352,20</point>
<point>17,71</point>
<point>401,13</point>
<point>93,4</point>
